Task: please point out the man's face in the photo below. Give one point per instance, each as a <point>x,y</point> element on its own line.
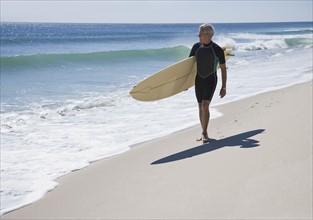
<point>204,37</point>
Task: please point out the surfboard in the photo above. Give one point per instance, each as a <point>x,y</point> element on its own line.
<point>170,81</point>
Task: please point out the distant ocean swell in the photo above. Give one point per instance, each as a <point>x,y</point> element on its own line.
<point>259,42</point>
<point>41,60</point>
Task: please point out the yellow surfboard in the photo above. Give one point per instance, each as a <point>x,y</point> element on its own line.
<point>169,81</point>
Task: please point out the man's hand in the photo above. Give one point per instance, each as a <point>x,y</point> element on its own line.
<point>223,92</point>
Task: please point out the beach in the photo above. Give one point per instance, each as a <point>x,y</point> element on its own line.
<point>258,165</point>
<point>72,81</point>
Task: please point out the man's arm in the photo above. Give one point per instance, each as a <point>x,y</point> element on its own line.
<point>224,80</point>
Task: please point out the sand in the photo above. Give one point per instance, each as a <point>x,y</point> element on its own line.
<point>258,167</point>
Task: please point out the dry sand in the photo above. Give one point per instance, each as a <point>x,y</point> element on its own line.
<point>259,167</point>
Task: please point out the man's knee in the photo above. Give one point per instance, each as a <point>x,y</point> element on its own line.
<point>205,105</point>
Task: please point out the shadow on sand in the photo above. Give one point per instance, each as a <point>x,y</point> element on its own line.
<point>240,140</point>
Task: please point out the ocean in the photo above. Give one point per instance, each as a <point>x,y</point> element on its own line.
<point>65,90</point>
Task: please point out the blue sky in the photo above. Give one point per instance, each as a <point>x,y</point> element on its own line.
<point>100,11</point>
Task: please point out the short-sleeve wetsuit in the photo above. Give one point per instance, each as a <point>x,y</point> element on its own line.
<point>208,57</point>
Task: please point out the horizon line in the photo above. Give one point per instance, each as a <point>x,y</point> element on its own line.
<point>66,22</point>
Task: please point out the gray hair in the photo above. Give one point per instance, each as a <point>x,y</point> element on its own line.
<point>208,29</point>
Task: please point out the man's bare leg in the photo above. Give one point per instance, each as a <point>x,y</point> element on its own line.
<point>204,115</point>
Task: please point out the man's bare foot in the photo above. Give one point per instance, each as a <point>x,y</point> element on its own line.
<point>199,138</point>
<point>204,138</point>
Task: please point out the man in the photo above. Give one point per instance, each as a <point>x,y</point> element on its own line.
<point>208,55</point>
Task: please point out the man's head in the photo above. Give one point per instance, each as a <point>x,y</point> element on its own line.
<point>206,32</point>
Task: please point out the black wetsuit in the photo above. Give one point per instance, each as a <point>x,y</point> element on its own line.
<point>208,57</point>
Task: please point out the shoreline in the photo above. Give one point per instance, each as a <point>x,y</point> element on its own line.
<point>187,152</point>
